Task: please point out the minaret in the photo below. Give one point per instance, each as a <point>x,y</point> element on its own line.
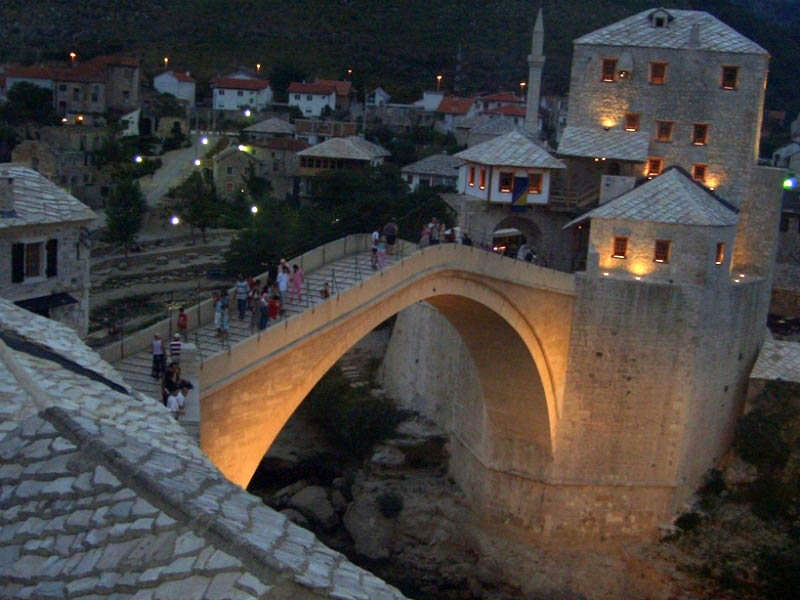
<point>535,65</point>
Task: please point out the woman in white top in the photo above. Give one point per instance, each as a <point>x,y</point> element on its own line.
<point>283,282</point>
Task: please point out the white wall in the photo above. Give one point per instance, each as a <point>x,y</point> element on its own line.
<point>167,83</point>
<point>312,104</point>
<point>229,99</point>
<point>493,184</point>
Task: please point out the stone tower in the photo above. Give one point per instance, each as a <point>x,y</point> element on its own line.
<point>535,65</point>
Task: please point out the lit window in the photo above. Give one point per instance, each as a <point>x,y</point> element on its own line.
<point>654,166</point>
<point>720,255</point>
<point>664,131</point>
<point>631,122</point>
<point>609,68</point>
<point>700,134</point>
<point>534,183</point>
<point>699,172</point>
<point>620,247</point>
<point>661,254</point>
<point>471,177</point>
<point>482,181</point>
<point>730,78</point>
<point>505,182</point>
<point>658,72</point>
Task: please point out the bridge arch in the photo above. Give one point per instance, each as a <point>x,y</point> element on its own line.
<point>520,378</point>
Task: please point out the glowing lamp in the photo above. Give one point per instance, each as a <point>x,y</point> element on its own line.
<point>196,162</point>
<point>790,182</point>
<point>138,158</point>
<point>254,209</point>
<point>605,274</point>
<point>607,124</point>
<point>64,120</point>
<point>242,148</point>
<point>247,113</point>
<point>204,141</point>
<point>174,220</point>
<point>637,278</point>
<point>736,281</point>
<point>741,275</point>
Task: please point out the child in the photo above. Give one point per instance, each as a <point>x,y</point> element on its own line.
<point>173,403</point>
<point>182,323</point>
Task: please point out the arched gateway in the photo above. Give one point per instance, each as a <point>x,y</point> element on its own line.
<point>513,317</point>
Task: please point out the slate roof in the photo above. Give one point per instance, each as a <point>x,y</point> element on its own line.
<point>102,493</point>
<point>778,361</point>
<point>489,126</point>
<point>672,197</point>
<point>512,149</point>
<point>37,201</point>
<point>713,34</point>
<point>239,83</point>
<point>598,143</point>
<point>437,164</point>
<point>271,125</point>
<point>353,147</point>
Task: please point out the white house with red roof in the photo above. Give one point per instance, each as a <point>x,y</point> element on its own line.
<point>312,98</point>
<point>452,107</point>
<point>501,99</point>
<point>344,92</point>
<point>240,92</point>
<point>176,83</point>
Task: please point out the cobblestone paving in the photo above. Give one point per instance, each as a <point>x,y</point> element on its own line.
<point>103,494</point>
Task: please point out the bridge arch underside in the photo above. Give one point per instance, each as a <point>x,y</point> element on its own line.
<point>511,432</point>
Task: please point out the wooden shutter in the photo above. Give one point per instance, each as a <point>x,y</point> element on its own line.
<point>17,263</point>
<point>52,258</point>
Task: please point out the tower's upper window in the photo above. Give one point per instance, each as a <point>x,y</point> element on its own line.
<point>660,18</point>
<point>609,68</point>
<point>730,78</point>
<point>658,72</point>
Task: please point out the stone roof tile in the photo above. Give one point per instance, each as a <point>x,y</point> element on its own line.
<point>512,149</point>
<point>599,143</point>
<point>778,360</point>
<point>352,147</point>
<point>436,164</point>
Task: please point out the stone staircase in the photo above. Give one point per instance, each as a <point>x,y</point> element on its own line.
<point>340,275</point>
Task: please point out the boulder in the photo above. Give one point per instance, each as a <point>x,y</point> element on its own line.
<point>313,502</point>
<point>338,500</point>
<point>370,530</point>
<point>281,497</point>
<point>295,517</point>
<point>387,456</point>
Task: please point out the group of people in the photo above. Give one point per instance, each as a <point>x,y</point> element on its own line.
<point>173,388</point>
<point>383,243</point>
<point>435,232</point>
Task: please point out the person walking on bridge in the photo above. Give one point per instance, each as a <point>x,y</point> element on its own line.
<point>241,289</point>
<point>297,283</point>
<point>390,233</point>
<point>283,283</point>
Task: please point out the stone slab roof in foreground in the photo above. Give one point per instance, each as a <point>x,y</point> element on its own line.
<point>638,30</point>
<point>37,201</point>
<point>103,494</point>
<point>436,164</point>
<point>672,197</point>
<point>778,361</point>
<point>512,149</point>
<point>599,143</point>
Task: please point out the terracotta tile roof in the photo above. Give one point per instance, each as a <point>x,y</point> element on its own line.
<point>287,144</point>
<point>342,88</point>
<point>638,30</point>
<point>672,197</point>
<point>182,77</point>
<point>31,72</point>
<point>453,105</point>
<point>506,111</point>
<point>503,97</point>
<point>324,89</point>
<point>236,83</point>
<point>512,149</point>
<point>93,70</point>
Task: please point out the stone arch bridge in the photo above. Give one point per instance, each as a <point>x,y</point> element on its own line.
<point>514,318</point>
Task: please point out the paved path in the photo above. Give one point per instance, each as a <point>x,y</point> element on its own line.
<point>340,275</point>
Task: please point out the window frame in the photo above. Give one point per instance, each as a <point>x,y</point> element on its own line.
<point>670,125</point>
<point>702,168</point>
<point>735,85</point>
<point>719,255</point>
<point>604,77</point>
<point>634,118</point>
<point>471,176</point>
<point>661,251</point>
<point>619,247</point>
<point>539,178</point>
<point>40,258</point>
<point>650,160</point>
<point>482,179</point>
<point>650,75</point>
<point>505,182</point>
<point>700,140</point>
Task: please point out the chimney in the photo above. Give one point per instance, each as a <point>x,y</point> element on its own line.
<point>6,194</point>
<point>694,36</point>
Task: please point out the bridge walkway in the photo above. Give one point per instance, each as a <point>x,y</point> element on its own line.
<point>340,274</point>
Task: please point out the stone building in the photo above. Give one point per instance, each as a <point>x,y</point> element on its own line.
<point>270,128</point>
<point>45,242</point>
<point>98,85</point>
<point>439,170</point>
<point>280,164</point>
<point>350,153</point>
<point>232,167</point>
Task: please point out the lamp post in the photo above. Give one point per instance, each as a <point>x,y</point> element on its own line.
<point>349,73</point>
<point>258,67</point>
<point>522,89</point>
<point>72,57</point>
<point>166,62</point>
<point>247,113</point>
<point>438,82</point>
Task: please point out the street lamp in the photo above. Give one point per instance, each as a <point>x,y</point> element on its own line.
<point>247,112</point>
<point>204,141</point>
<point>258,67</point>
<point>196,162</point>
<point>72,57</point>
<point>790,181</point>
<point>254,209</point>
<point>438,82</point>
<point>138,158</point>
<point>175,220</point>
<point>349,73</point>
<point>166,62</point>
<point>522,88</point>
<point>242,148</point>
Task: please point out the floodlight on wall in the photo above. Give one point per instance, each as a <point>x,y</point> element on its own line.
<point>790,181</point>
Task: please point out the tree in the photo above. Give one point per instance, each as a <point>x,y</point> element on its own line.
<point>125,210</point>
<point>281,76</point>
<point>197,204</point>
<point>29,103</point>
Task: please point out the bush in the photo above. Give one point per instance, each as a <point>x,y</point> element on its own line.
<point>688,521</point>
<point>779,572</point>
<point>390,504</point>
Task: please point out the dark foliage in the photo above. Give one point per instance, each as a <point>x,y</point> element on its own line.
<point>390,504</point>
<point>28,103</point>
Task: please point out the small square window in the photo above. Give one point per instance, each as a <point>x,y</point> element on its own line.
<point>229,170</point>
<point>609,68</point>
<point>654,166</point>
<point>730,78</point>
<point>720,254</point>
<point>699,172</point>
<point>631,122</point>
<point>620,247</point>
<point>240,93</point>
<point>471,177</point>
<point>534,183</point>
<point>661,254</point>
<point>482,182</point>
<point>699,134</point>
<point>220,92</point>
<point>664,131</point>
<point>297,96</point>
<point>308,97</point>
<point>506,182</point>
<point>658,73</point>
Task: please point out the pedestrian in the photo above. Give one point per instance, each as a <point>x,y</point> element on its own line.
<point>255,313</point>
<point>283,283</point>
<point>374,256</point>
<point>241,290</point>
<point>182,323</point>
<point>381,254</point>
<point>173,404</point>
<point>175,348</point>
<point>217,298</point>
<point>325,292</point>
<point>433,226</point>
<point>253,295</point>
<point>297,283</point>
<point>425,237</point>
<point>263,312</point>
<point>274,307</point>
<point>159,359</point>
<point>224,323</point>
<point>466,240</point>
<point>390,234</point>
<point>170,381</point>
